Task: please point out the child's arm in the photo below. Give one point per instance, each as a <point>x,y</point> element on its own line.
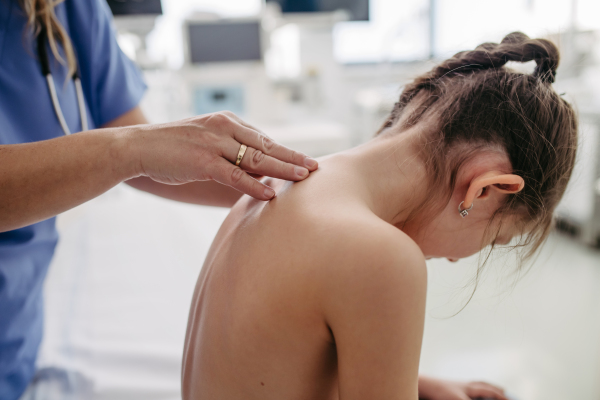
<point>438,389</point>
<point>375,307</point>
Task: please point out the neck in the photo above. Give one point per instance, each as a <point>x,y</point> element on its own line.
<point>384,173</point>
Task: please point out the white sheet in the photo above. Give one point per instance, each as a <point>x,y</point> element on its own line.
<point>119,288</point>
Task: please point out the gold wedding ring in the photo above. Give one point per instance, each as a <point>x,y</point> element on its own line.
<point>240,155</point>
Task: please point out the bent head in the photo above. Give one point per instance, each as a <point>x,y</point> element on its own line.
<point>496,139</point>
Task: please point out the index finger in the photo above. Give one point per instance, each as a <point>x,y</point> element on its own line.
<point>228,174</point>
<point>258,140</point>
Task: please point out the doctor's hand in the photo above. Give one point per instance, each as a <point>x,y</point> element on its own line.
<point>206,147</point>
<point>437,389</point>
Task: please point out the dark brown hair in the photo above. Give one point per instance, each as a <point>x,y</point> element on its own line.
<point>473,102</point>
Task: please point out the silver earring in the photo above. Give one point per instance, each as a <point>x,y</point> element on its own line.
<point>465,212</point>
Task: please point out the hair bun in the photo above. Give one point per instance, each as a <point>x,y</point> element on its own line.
<point>516,46</point>
<point>519,47</point>
<point>515,38</point>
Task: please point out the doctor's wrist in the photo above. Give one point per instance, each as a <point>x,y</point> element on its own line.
<point>124,152</point>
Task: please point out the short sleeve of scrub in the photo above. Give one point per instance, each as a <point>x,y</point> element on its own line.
<point>111,82</point>
<point>112,86</point>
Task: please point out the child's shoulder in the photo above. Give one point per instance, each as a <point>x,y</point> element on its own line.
<point>373,277</point>
<point>360,246</point>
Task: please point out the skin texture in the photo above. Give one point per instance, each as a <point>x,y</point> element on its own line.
<point>42,179</point>
<point>318,294</point>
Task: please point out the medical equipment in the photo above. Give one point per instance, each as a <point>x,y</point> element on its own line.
<point>134,20</point>
<point>224,68</point>
<point>224,41</point>
<point>135,7</point>
<point>358,9</point>
<point>43,55</point>
<point>209,99</point>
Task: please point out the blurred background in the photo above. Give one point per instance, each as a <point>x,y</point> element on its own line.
<point>320,76</point>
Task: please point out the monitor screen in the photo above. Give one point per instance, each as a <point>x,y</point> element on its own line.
<point>224,41</point>
<point>358,9</point>
<point>135,7</point>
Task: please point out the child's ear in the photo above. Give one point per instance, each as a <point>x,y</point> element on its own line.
<point>481,186</point>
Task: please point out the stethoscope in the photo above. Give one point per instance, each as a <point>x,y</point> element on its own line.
<point>42,53</point>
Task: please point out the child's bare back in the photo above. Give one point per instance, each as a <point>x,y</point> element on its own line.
<point>286,288</point>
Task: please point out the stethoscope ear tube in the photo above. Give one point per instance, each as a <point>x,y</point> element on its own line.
<point>56,104</point>
<point>43,55</point>
<point>41,47</point>
<point>81,103</point>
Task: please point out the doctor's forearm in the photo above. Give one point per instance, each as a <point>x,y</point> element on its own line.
<point>42,179</point>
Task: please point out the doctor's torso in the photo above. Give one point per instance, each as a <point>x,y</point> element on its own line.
<point>112,85</point>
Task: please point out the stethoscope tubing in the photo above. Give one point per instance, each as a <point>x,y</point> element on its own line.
<point>45,64</point>
<point>81,103</point>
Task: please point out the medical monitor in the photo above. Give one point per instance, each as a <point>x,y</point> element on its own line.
<point>135,7</point>
<point>358,9</point>
<point>224,41</point>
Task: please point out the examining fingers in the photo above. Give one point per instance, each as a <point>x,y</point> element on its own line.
<point>259,141</point>
<point>230,175</point>
<point>257,162</point>
<point>207,147</point>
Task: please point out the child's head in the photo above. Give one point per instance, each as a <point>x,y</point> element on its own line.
<point>479,119</point>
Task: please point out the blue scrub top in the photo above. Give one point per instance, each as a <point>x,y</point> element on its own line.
<point>112,86</point>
